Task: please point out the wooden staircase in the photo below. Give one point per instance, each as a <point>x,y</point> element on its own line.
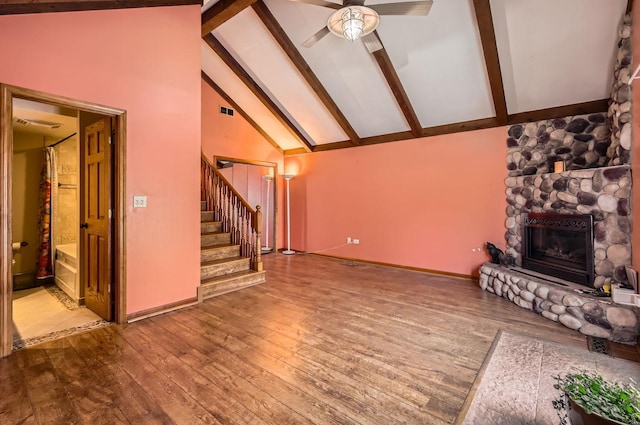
<point>222,268</point>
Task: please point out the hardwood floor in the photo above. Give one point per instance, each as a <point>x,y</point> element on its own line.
<point>320,342</point>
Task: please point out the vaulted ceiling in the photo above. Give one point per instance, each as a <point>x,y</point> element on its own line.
<point>468,64</point>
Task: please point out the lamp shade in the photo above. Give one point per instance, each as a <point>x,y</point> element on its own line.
<point>353,22</point>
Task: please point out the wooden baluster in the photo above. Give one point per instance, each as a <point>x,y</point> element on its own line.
<point>243,221</point>
<point>257,225</point>
<point>229,217</point>
<point>234,221</point>
<point>240,217</point>
<point>239,229</point>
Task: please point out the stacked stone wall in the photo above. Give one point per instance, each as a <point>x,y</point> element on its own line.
<point>619,114</point>
<point>581,141</point>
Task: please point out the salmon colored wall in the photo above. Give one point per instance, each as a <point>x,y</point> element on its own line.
<point>635,132</point>
<point>422,203</point>
<point>146,61</point>
<point>234,137</point>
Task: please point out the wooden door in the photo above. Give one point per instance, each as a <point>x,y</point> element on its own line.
<point>96,226</point>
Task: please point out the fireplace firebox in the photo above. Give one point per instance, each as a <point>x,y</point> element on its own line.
<point>559,245</point>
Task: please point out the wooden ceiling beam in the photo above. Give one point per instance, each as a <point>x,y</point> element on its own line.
<point>524,117</point>
<point>18,7</point>
<point>221,12</point>
<point>390,74</point>
<point>248,81</point>
<point>237,107</point>
<point>297,151</point>
<point>408,135</point>
<point>491,58</point>
<point>304,69</point>
<point>560,112</point>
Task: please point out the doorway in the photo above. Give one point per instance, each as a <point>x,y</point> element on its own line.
<point>97,251</point>
<point>255,182</point>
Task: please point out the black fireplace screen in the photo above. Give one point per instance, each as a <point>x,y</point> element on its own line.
<point>559,245</point>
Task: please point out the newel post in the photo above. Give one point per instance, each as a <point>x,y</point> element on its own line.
<point>258,226</point>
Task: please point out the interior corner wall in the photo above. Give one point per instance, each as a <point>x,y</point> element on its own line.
<point>234,137</point>
<point>147,62</point>
<point>635,134</point>
<point>427,203</point>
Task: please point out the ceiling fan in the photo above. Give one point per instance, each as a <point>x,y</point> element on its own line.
<point>353,20</point>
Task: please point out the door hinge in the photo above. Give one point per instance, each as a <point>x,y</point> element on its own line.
<point>110,213</point>
<point>109,288</point>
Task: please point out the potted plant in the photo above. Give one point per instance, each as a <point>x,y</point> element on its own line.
<point>594,401</point>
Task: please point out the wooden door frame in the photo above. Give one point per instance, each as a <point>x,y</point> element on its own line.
<point>7,94</point>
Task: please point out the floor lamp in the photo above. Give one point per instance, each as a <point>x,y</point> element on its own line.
<point>266,247</point>
<point>288,251</point>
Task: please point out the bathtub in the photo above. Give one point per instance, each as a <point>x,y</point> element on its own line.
<point>66,270</point>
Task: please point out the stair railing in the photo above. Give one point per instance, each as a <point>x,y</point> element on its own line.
<point>236,215</point>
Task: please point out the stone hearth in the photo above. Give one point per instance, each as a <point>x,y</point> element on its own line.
<point>592,316</point>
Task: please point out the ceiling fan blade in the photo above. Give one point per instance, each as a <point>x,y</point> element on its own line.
<point>372,42</point>
<point>316,37</point>
<point>320,3</point>
<point>415,8</point>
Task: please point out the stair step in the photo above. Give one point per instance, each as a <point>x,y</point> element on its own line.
<point>210,226</point>
<point>206,215</point>
<point>222,285</point>
<point>203,205</point>
<point>215,238</point>
<point>219,252</point>
<point>223,267</point>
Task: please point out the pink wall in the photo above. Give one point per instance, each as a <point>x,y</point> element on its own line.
<point>146,61</point>
<point>422,203</point>
<point>635,131</point>
<point>234,137</point>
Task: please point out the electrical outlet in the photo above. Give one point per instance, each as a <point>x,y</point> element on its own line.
<point>355,241</point>
<point>139,202</point>
<point>349,239</point>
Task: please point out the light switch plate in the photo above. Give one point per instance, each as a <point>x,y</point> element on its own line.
<point>139,202</point>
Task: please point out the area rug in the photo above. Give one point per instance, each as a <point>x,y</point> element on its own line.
<point>46,313</point>
<point>515,384</point>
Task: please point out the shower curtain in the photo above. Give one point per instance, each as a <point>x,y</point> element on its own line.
<point>48,198</point>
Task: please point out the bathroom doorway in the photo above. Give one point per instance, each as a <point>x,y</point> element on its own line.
<point>74,231</point>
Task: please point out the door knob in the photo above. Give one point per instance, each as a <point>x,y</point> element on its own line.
<point>84,225</point>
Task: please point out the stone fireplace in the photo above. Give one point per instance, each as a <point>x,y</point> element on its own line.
<point>602,193</point>
<point>574,224</point>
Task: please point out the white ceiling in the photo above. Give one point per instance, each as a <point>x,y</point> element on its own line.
<point>557,58</point>
<point>552,53</point>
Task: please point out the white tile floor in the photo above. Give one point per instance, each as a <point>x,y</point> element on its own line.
<point>37,313</point>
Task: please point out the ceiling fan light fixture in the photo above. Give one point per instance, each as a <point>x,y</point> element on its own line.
<point>353,22</point>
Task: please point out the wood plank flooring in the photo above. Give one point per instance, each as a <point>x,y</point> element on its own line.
<point>321,342</point>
